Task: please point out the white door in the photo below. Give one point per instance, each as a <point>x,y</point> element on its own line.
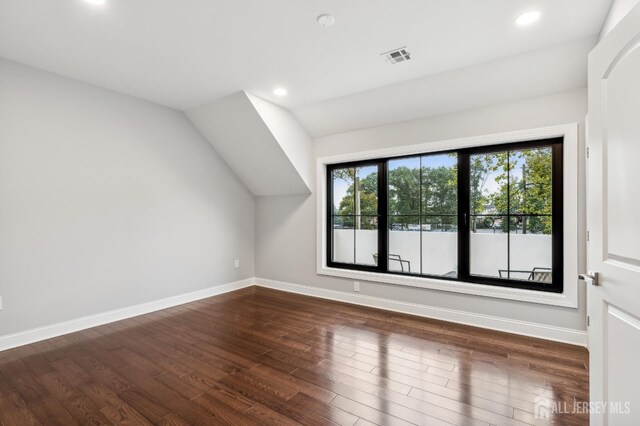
<point>613,217</point>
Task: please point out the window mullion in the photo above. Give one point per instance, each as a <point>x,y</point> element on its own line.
<point>383,222</point>
<point>557,215</point>
<point>355,209</point>
<point>508,214</point>
<point>421,213</point>
<point>464,215</point>
<point>329,213</point>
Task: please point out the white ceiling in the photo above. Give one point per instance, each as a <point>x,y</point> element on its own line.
<point>550,70</point>
<point>184,53</point>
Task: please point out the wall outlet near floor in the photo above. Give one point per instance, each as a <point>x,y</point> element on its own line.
<point>356,286</point>
<point>236,263</point>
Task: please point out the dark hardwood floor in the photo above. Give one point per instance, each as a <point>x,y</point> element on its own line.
<point>259,357</point>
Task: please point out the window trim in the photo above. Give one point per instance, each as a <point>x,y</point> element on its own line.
<point>568,297</point>
<point>463,213</point>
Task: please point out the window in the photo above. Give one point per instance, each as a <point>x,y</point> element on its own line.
<point>488,215</point>
<point>355,214</point>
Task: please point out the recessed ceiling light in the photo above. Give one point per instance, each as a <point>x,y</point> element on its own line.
<point>528,18</point>
<point>96,2</point>
<point>280,91</point>
<point>326,20</point>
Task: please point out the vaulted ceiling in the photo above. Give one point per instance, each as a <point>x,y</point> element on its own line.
<point>262,142</point>
<point>185,53</point>
<point>220,60</point>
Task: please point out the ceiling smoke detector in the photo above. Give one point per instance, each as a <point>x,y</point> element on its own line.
<point>326,20</point>
<point>397,55</point>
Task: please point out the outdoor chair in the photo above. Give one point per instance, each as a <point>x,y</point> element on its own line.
<point>395,258</point>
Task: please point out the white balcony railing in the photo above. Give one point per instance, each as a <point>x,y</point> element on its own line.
<point>439,250</point>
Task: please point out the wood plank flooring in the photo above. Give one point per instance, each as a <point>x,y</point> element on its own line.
<point>261,357</point>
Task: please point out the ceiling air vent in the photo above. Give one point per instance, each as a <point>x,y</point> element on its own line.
<point>397,55</point>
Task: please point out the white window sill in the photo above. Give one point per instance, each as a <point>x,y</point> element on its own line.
<point>532,296</point>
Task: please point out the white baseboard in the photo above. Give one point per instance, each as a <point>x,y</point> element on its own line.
<point>10,341</point>
<point>542,331</point>
<point>559,334</point>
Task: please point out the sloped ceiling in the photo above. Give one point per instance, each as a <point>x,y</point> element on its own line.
<point>465,54</point>
<point>262,143</point>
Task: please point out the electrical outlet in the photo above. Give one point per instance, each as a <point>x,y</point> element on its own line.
<point>237,263</point>
<point>356,286</point>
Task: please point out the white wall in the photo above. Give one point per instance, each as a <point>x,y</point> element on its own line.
<point>107,201</point>
<point>286,226</point>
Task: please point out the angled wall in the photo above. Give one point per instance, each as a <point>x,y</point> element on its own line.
<point>262,142</point>
<point>618,10</point>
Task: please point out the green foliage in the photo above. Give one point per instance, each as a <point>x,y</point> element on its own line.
<point>439,194</point>
<point>440,190</point>
<point>478,174</point>
<point>527,192</point>
<point>404,192</point>
<point>368,190</point>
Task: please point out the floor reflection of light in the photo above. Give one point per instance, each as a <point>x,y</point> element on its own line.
<point>369,344</point>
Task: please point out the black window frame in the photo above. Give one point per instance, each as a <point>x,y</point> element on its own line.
<point>464,214</point>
